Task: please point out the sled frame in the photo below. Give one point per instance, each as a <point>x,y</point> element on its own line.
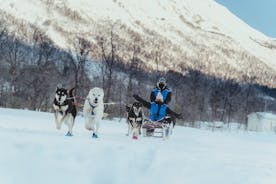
<point>164,131</point>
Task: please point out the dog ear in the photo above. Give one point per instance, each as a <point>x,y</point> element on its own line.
<point>59,86</point>
<point>127,108</point>
<point>57,89</point>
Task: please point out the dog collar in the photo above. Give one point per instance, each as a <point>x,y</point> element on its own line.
<point>93,107</point>
<point>60,104</point>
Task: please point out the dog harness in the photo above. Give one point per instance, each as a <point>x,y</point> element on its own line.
<point>60,105</point>
<point>92,107</point>
<point>135,119</point>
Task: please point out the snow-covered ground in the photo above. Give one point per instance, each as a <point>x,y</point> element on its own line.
<point>33,151</point>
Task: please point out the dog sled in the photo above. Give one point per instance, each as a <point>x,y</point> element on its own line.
<point>160,129</point>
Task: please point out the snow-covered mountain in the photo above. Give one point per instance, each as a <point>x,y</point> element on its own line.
<point>175,33</point>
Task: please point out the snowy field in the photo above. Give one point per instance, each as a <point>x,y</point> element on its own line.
<point>34,152</point>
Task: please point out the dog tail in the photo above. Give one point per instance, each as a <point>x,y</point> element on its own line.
<point>71,95</point>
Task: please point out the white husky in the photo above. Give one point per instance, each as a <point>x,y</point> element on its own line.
<point>94,110</point>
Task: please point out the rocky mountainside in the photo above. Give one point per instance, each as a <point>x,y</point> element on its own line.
<point>171,34</point>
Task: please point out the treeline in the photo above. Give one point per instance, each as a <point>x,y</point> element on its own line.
<point>30,72</point>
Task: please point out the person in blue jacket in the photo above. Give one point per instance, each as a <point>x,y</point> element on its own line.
<point>160,98</point>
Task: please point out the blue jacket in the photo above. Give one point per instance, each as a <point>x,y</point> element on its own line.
<point>158,111</point>
<point>166,93</point>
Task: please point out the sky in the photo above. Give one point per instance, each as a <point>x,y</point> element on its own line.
<point>259,14</point>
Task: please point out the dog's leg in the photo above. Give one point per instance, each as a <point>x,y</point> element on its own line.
<point>70,124</point>
<point>135,133</point>
<point>96,128</point>
<point>171,129</point>
<point>139,129</point>
<point>63,117</point>
<point>88,124</point>
<point>56,119</point>
<point>164,132</point>
<point>129,129</point>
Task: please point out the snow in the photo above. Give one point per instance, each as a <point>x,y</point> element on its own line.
<point>33,151</point>
<point>162,17</point>
<point>265,115</point>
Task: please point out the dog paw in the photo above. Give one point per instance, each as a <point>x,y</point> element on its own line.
<point>69,134</point>
<point>95,135</point>
<point>58,127</point>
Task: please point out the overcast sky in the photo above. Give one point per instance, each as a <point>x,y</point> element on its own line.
<point>259,14</point>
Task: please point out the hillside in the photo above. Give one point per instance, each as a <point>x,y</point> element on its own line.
<point>171,35</point>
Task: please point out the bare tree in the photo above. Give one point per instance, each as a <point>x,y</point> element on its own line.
<point>193,95</point>
<point>14,55</point>
<point>134,67</point>
<point>3,34</point>
<point>248,91</point>
<point>109,60</point>
<point>80,54</point>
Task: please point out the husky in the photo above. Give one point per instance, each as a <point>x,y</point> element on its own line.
<point>93,110</point>
<point>134,119</point>
<point>64,104</point>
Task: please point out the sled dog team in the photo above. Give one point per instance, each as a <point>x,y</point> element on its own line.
<point>93,110</point>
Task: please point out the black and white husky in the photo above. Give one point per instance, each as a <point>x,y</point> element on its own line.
<point>64,104</point>
<point>134,119</point>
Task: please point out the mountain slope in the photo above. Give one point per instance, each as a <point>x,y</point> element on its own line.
<point>177,34</point>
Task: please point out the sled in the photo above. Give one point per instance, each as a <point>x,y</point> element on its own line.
<point>160,129</point>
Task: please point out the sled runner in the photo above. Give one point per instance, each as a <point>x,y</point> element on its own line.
<point>162,128</point>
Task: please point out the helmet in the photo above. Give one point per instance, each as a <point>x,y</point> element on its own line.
<point>161,83</point>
